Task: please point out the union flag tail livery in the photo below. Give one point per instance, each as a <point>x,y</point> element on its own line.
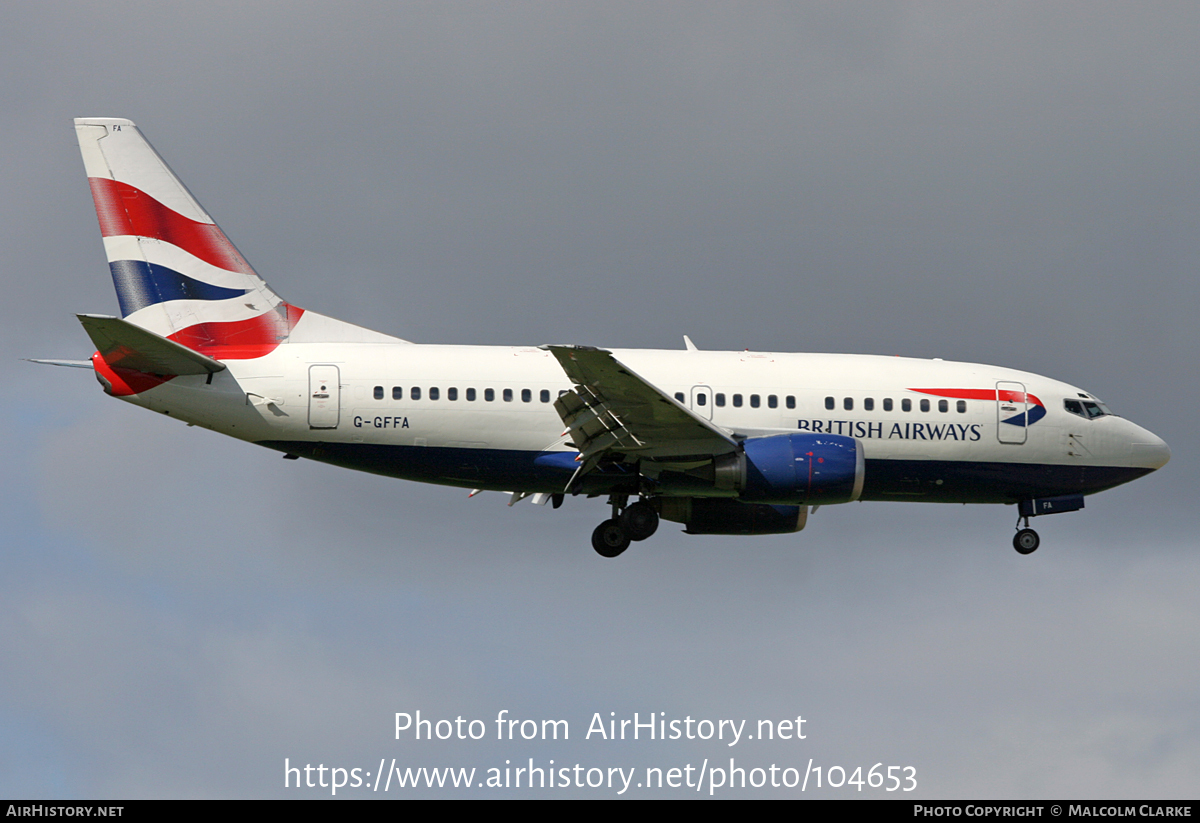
<point>175,271</point>
<point>722,442</point>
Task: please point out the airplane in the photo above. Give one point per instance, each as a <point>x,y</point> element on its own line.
<point>723,442</point>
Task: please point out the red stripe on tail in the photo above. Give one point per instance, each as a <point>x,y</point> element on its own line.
<point>241,339</point>
<point>124,209</point>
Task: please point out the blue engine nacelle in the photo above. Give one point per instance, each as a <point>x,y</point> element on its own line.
<point>813,469</point>
<point>779,470</point>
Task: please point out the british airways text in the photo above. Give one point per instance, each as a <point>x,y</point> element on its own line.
<point>893,431</point>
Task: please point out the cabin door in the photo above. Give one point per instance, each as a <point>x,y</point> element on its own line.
<point>324,397</point>
<point>1012,406</point>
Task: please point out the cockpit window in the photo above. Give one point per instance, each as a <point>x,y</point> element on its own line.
<point>1087,409</point>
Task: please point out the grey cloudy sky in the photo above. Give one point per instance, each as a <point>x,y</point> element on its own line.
<point>1010,183</point>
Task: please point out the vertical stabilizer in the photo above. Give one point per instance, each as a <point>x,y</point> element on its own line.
<point>175,271</point>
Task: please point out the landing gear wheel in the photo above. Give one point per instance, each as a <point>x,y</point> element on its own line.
<point>1026,541</point>
<point>639,521</point>
<point>609,539</point>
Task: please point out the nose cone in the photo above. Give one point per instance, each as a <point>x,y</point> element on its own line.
<point>1148,451</point>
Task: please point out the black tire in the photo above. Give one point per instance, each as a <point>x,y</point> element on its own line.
<point>639,521</point>
<point>556,500</point>
<point>609,540</point>
<point>1026,541</point>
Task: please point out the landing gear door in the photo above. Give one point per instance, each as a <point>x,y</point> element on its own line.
<point>702,401</point>
<point>1012,407</point>
<point>324,397</point>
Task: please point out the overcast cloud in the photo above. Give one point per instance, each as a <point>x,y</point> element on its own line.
<point>1009,183</point>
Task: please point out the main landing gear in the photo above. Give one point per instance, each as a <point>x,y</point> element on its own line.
<point>609,540</point>
<point>628,523</point>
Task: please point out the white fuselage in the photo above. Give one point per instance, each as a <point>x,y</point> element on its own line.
<point>488,400</point>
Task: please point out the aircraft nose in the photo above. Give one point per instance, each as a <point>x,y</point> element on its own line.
<point>1148,451</point>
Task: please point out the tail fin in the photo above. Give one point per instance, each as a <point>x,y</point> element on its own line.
<point>175,271</point>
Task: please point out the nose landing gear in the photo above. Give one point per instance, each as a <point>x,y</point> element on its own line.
<point>1026,541</point>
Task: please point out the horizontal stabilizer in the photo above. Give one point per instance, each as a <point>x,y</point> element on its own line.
<point>75,364</point>
<point>123,345</point>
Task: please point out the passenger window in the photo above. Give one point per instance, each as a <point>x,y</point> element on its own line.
<point>471,395</point>
<point>943,406</point>
<point>962,406</point>
<point>737,400</point>
<point>561,392</point>
<point>701,399</point>
<point>379,392</point>
<point>868,404</point>
<point>526,395</point>
<point>906,405</point>
<point>544,396</point>
<point>829,402</point>
<point>508,395</point>
<point>433,393</point>
<point>679,396</point>
<point>887,404</point>
<point>848,403</point>
<point>451,393</point>
<point>754,401</point>
<point>489,395</point>
<point>772,401</point>
<point>397,393</point>
<point>415,393</point>
<point>924,405</point>
<point>791,401</point>
<point>719,398</point>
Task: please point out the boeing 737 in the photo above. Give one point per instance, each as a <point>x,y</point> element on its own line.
<point>723,442</point>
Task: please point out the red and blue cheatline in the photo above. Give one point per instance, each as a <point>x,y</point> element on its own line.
<point>1036,410</point>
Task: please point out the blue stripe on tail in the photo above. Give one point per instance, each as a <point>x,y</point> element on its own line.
<point>140,284</point>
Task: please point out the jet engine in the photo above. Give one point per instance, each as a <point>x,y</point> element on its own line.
<point>816,469</point>
<point>781,469</point>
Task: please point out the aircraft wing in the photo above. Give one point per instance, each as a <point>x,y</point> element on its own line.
<point>614,410</point>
